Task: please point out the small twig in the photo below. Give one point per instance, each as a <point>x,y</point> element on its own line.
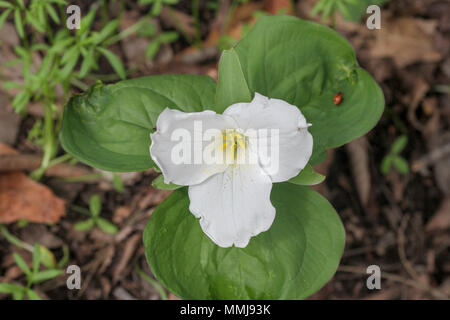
<point>401,240</point>
<point>430,158</point>
<point>399,279</point>
<point>19,162</point>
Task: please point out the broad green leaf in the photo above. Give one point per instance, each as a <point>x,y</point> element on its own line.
<point>109,126</point>
<point>84,225</point>
<point>21,264</point>
<point>292,260</point>
<point>307,177</point>
<point>114,61</point>
<point>95,205</point>
<point>307,64</point>
<point>107,226</point>
<point>232,86</point>
<point>158,183</point>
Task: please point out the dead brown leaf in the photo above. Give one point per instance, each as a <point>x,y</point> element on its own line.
<point>24,198</point>
<point>406,40</point>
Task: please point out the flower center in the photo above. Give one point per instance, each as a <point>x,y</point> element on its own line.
<point>232,142</point>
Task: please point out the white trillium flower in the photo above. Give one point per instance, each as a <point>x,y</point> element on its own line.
<point>261,142</point>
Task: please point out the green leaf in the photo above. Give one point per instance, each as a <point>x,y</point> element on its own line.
<point>85,24</point>
<point>34,22</point>
<point>19,24</point>
<point>46,275</point>
<point>32,295</point>
<point>84,225</point>
<point>114,61</point>
<point>95,205</point>
<point>232,86</point>
<point>400,164</point>
<point>399,144</point>
<point>292,260</point>
<point>52,13</point>
<point>47,257</point>
<point>106,31</point>
<point>157,7</point>
<point>107,226</point>
<point>152,49</point>
<point>4,16</point>
<point>158,183</point>
<point>109,126</point>
<point>307,64</point>
<point>118,183</point>
<point>36,258</point>
<point>5,4</point>
<point>22,264</point>
<point>168,37</point>
<point>307,177</point>
<point>88,62</point>
<point>386,163</point>
<point>10,288</point>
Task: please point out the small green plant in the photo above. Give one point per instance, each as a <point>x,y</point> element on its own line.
<point>95,206</point>
<point>33,276</point>
<point>148,30</point>
<point>59,52</point>
<point>351,10</point>
<point>394,159</point>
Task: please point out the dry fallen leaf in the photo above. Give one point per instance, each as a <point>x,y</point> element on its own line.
<point>406,40</point>
<point>24,198</point>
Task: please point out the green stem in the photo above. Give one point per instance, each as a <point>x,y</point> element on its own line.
<point>14,240</point>
<point>154,283</point>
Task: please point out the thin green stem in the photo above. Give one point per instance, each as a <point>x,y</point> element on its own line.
<point>154,283</point>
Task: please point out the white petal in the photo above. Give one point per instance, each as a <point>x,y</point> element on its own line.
<point>181,159</point>
<point>293,141</point>
<point>233,206</point>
